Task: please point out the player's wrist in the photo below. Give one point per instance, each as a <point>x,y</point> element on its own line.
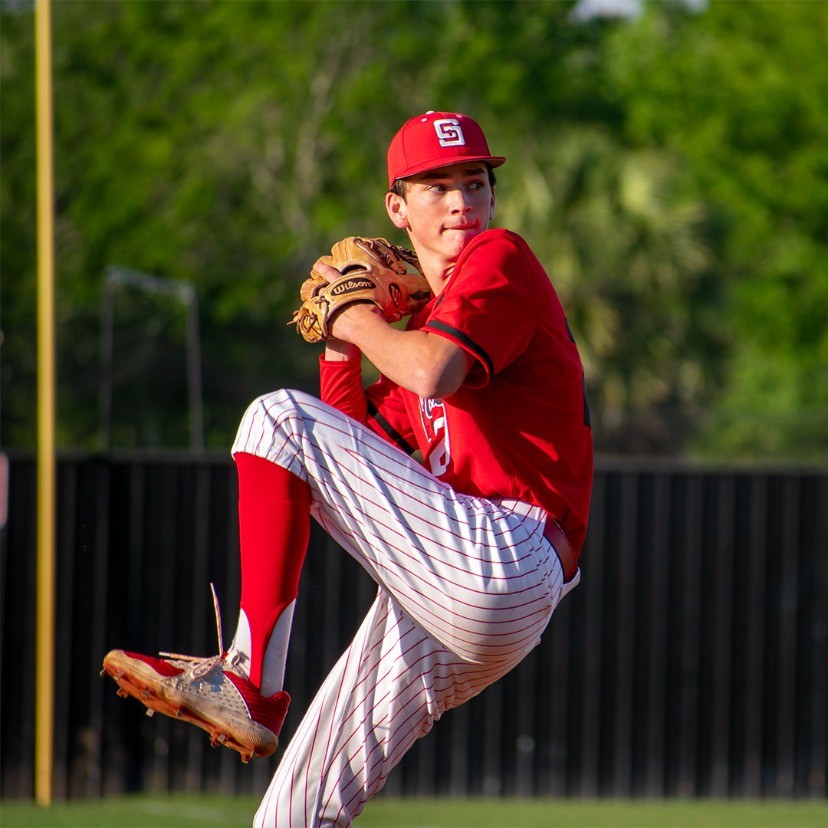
<point>350,321</point>
<point>337,350</point>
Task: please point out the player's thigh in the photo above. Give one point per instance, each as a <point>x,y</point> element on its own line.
<point>477,574</point>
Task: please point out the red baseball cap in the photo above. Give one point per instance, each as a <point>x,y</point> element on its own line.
<point>437,139</point>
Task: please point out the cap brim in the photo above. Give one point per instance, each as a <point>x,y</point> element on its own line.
<point>437,163</point>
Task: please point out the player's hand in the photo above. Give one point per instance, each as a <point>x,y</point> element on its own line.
<point>340,325</point>
<point>348,321</point>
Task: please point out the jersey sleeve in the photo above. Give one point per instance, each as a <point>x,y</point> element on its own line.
<point>381,406</point>
<point>340,385</point>
<point>488,307</point>
<point>388,415</point>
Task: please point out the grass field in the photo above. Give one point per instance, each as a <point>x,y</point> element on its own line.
<point>198,811</point>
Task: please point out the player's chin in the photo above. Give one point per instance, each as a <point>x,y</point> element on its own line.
<point>456,240</point>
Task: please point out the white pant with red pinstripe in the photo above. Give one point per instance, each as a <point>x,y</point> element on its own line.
<point>467,586</point>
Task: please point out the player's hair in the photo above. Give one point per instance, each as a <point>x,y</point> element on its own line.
<point>402,185</point>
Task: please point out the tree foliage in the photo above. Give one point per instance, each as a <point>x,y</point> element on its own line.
<point>738,93</point>
<point>670,170</point>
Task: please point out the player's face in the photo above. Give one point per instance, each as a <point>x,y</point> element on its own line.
<point>443,211</point>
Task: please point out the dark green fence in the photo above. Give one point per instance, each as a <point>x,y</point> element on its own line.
<point>692,660</point>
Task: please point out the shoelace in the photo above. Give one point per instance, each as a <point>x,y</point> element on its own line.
<point>202,665</point>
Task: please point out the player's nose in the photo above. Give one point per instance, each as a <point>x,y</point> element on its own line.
<point>459,200</point>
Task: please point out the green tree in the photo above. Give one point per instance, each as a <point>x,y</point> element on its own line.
<point>669,169</point>
<point>738,93</point>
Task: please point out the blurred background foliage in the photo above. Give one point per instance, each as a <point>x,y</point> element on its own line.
<point>670,168</point>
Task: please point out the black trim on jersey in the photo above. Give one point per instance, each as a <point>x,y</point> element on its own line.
<point>469,343</point>
<point>395,436</point>
<point>587,413</point>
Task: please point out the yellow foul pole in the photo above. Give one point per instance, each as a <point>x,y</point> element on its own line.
<point>45,680</point>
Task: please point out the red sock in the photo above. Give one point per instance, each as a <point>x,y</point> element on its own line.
<point>274,528</point>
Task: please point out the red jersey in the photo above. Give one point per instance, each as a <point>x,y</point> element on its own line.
<point>518,427</point>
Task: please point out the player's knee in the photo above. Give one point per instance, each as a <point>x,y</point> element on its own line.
<point>508,646</point>
<point>275,407</point>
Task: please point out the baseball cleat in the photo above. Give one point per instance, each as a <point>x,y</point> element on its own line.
<point>211,693</point>
<point>205,692</point>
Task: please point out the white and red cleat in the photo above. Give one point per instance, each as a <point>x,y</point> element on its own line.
<point>206,692</point>
<point>212,693</point>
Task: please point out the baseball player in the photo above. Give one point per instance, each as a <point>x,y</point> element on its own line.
<point>472,546</point>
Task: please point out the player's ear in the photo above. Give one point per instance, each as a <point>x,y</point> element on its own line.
<point>395,206</point>
<point>492,206</point>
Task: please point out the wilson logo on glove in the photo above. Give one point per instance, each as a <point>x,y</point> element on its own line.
<point>350,285</point>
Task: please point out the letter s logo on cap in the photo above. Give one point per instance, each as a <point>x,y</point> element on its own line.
<point>449,132</point>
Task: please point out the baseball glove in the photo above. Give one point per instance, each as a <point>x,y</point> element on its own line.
<point>373,270</point>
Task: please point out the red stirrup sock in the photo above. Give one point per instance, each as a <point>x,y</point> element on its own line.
<point>274,528</point>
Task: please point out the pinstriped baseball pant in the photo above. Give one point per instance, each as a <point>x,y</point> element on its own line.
<point>466,587</point>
